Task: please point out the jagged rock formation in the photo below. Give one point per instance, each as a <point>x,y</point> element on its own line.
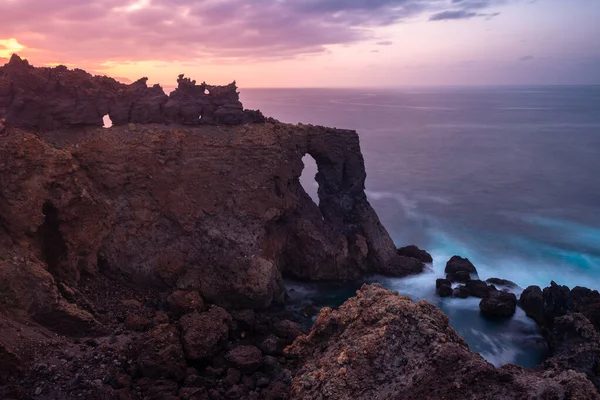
<point>569,322</point>
<point>57,98</point>
<point>382,345</point>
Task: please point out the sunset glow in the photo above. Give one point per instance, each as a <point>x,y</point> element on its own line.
<point>309,43</point>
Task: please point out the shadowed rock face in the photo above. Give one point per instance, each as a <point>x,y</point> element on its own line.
<point>54,98</point>
<point>214,209</point>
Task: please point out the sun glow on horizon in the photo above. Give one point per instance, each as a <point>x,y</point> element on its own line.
<point>9,46</point>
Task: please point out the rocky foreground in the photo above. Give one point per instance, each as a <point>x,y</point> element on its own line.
<point>146,261</point>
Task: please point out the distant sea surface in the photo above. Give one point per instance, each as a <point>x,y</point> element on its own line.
<point>506,176</point>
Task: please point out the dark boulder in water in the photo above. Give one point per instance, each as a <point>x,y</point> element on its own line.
<point>460,276</point>
<point>498,304</point>
<point>460,292</point>
<point>557,302</point>
<point>478,288</point>
<point>532,302</point>
<point>502,282</point>
<point>443,287</point>
<point>415,252</point>
<point>457,263</point>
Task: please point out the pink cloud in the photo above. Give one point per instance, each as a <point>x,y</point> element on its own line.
<point>98,30</point>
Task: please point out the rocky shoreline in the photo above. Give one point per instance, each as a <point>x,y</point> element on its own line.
<point>146,261</point>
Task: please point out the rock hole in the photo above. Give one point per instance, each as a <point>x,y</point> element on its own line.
<point>200,117</point>
<point>107,121</point>
<point>53,245</point>
<point>206,91</point>
<point>308,178</point>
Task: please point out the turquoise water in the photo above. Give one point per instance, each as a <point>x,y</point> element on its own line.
<point>507,177</point>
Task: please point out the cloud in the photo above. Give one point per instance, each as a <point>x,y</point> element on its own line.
<point>385,43</point>
<point>526,58</point>
<point>95,31</point>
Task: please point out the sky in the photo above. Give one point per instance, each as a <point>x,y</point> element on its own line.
<point>312,43</point>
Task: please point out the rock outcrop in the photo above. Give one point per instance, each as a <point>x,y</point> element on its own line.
<point>219,210</point>
<point>57,98</point>
<point>568,320</point>
<point>382,345</point>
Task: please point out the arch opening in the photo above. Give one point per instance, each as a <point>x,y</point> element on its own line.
<point>107,121</point>
<point>308,178</point>
<point>206,91</point>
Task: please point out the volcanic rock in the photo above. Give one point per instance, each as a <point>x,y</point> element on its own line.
<point>461,292</point>
<point>459,264</point>
<point>501,282</point>
<point>204,334</point>
<point>184,302</point>
<point>380,344</point>
<point>137,205</point>
<point>245,358</point>
<point>532,302</point>
<point>498,304</point>
<point>57,98</point>
<point>443,287</point>
<point>477,288</point>
<point>288,330</point>
<point>161,355</point>
<point>415,252</point>
<point>460,276</point>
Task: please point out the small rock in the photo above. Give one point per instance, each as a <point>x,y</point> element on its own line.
<point>460,292</point>
<point>184,302</point>
<point>443,287</point>
<point>288,330</point>
<point>415,252</point>
<point>136,323</point>
<point>38,391</point>
<point>478,288</point>
<point>246,358</point>
<point>499,304</point>
<point>457,263</point>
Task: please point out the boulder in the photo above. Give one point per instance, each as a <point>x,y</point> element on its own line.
<point>205,334</point>
<point>460,292</point>
<point>288,330</point>
<point>415,252</point>
<point>160,355</point>
<point>136,322</point>
<point>532,302</point>
<point>443,287</point>
<point>272,345</point>
<point>457,264</point>
<point>477,288</point>
<point>498,304</point>
<point>383,345</point>
<point>460,276</point>
<point>557,302</point>
<point>184,302</point>
<point>501,282</point>
<point>245,358</point>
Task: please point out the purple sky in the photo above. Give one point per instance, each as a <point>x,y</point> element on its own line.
<point>313,42</point>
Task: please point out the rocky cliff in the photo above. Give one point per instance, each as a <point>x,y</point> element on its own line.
<point>217,209</point>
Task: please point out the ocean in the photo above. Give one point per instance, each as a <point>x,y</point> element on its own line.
<point>506,176</point>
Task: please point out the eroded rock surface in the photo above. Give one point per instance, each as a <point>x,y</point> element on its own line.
<point>382,345</point>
